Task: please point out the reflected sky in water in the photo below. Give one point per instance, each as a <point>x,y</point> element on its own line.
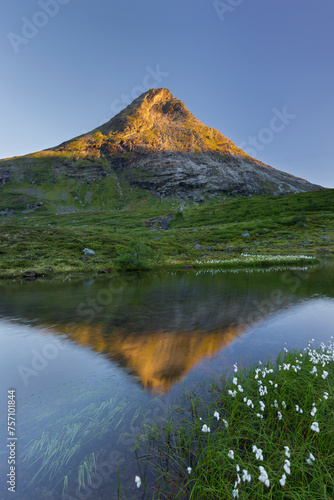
<point>148,336</point>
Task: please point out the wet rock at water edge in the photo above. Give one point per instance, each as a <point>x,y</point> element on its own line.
<point>245,235</point>
<point>30,274</point>
<point>197,247</point>
<point>88,252</point>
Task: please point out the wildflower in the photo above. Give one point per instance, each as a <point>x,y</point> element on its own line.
<point>240,388</point>
<point>264,476</point>
<point>246,476</point>
<point>205,428</point>
<point>286,466</point>
<point>310,459</point>
<point>189,469</point>
<point>258,452</point>
<point>235,366</point>
<point>325,395</point>
<point>313,411</point>
<point>232,393</point>
<point>216,414</point>
<point>237,468</point>
<point>235,380</point>
<point>280,416</point>
<point>225,422</point>
<point>138,481</point>
<point>315,427</point>
<point>259,415</point>
<point>297,408</point>
<point>314,370</point>
<point>284,404</point>
<point>287,451</point>
<point>282,480</point>
<point>231,454</point>
<point>262,405</point>
<point>324,374</point>
<point>276,385</point>
<point>235,493</point>
<point>286,366</point>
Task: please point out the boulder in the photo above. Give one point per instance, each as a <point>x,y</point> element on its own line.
<point>88,252</point>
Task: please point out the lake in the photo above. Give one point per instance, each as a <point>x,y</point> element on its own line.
<point>92,360</point>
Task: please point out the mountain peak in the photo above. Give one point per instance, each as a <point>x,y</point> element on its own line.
<point>156,144</point>
<point>151,108</point>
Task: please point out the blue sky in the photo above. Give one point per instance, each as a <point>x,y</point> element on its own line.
<point>259,71</point>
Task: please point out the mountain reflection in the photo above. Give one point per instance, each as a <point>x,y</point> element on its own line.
<point>159,326</point>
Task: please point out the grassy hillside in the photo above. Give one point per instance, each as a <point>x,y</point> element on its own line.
<point>50,242</point>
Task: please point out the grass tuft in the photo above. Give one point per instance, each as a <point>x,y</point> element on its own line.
<point>262,432</point>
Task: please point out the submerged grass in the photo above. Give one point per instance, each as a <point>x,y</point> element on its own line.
<point>54,456</point>
<point>264,432</point>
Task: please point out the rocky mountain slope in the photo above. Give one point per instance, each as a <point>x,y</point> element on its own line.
<point>155,144</point>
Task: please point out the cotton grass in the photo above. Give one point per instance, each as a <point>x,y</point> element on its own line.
<point>271,433</point>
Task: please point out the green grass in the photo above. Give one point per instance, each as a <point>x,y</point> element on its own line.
<point>261,417</point>
<point>300,224</point>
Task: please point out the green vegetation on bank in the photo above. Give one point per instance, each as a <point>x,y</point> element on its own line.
<point>263,432</point>
<point>133,238</point>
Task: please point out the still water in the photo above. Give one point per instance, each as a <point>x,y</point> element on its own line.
<point>94,360</point>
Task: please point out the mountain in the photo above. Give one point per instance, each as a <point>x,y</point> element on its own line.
<point>155,144</point>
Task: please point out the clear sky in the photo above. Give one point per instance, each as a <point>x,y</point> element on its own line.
<point>259,71</point>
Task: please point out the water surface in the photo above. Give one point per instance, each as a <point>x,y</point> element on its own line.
<point>92,360</point>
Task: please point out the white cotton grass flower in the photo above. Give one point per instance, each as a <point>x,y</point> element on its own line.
<point>283,404</point>
<point>189,469</point>
<point>313,411</point>
<point>205,428</point>
<point>237,468</point>
<point>282,480</point>
<point>315,427</point>
<point>279,415</point>
<point>325,395</point>
<point>232,393</point>
<point>138,481</point>
<point>231,454</point>
<point>240,388</point>
<point>324,374</point>
<point>314,370</point>
<point>286,466</point>
<point>310,459</point>
<point>235,368</point>
<point>225,422</point>
<point>235,381</point>
<point>259,415</point>
<point>264,476</point>
<point>235,493</point>
<point>262,405</point>
<point>287,451</point>
<point>216,415</point>
<point>258,452</point>
<point>246,476</point>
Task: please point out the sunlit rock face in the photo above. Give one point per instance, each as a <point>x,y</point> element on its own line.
<point>155,144</point>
